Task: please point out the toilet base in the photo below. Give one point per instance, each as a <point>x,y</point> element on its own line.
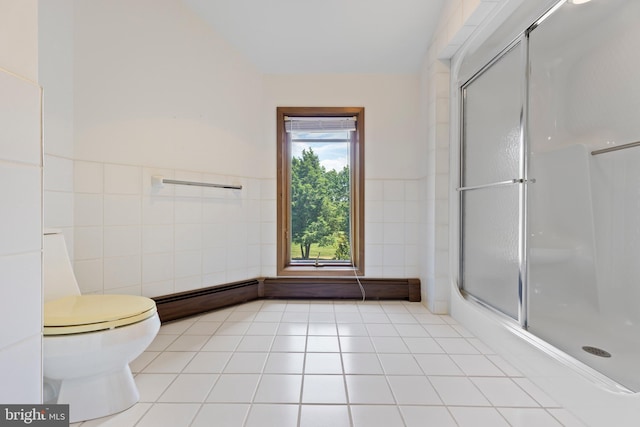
<point>111,393</point>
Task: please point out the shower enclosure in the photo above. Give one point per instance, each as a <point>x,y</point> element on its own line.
<point>550,184</point>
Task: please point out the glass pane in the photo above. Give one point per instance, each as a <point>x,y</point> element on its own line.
<point>584,218</point>
<point>492,153</point>
<point>320,198</point>
<point>492,110</point>
<point>490,247</point>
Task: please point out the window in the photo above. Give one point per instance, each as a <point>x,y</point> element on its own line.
<point>320,190</point>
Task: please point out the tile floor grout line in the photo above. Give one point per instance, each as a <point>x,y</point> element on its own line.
<point>397,318</point>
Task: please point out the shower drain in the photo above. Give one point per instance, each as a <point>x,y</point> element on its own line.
<point>596,351</point>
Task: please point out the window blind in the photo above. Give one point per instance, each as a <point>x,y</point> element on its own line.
<point>319,124</point>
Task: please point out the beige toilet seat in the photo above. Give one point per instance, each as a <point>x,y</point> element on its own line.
<point>90,313</point>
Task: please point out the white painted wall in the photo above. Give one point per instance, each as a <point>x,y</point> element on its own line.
<point>21,215</point>
<point>164,94</point>
<point>156,91</point>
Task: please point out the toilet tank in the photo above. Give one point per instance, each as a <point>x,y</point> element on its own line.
<point>58,278</point>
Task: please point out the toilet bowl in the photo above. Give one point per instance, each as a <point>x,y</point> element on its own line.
<point>89,340</point>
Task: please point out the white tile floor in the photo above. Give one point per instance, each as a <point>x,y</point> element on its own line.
<point>329,363</point>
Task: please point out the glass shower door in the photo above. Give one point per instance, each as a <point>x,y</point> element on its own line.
<point>584,209</point>
<point>491,183</point>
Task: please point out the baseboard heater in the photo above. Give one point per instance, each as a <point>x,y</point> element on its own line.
<point>190,303</point>
<point>341,287</point>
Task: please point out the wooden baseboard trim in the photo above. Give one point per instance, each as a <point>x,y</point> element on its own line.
<point>189,303</point>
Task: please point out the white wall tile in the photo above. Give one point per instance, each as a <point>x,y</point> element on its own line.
<point>412,212</point>
<point>394,255</point>
<point>183,284</point>
<point>216,234</point>
<point>374,190</point>
<point>236,275</point>
<point>58,209</point>
<point>253,233</point>
<point>20,189</point>
<point>21,213</point>
<point>157,210</point>
<point>268,189</point>
<point>58,173</point>
<point>413,234</point>
<point>188,237</point>
<point>88,209</point>
<point>268,233</point>
<point>393,271</point>
<point>236,256</point>
<point>268,210</point>
<point>87,243</point>
<point>412,190</point>
<point>253,258</point>
<point>126,290</point>
<point>411,271</point>
<point>216,278</point>
<point>393,233</point>
<point>268,259</point>
<point>157,288</point>
<point>89,274</point>
<point>411,255</point>
<point>214,260</point>
<point>157,238</point>
<point>393,211</point>
<point>252,189</point>
<point>238,233</point>
<point>122,240</point>
<point>374,271</point>
<point>88,177</point>
<point>20,366</point>
<point>374,256</point>
<point>188,263</point>
<point>122,210</point>
<point>374,211</point>
<point>19,120</point>
<point>122,271</point>
<point>188,210</point>
<point>393,190</point>
<point>212,211</point>
<point>374,233</point>
<point>21,291</point>
<point>157,267</point>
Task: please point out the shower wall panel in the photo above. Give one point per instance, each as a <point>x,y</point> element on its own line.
<point>584,210</point>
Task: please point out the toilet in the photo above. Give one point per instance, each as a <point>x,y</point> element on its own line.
<point>89,340</point>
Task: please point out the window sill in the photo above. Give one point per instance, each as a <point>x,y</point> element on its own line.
<point>321,270</point>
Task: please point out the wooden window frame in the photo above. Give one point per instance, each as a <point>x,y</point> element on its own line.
<point>284,268</point>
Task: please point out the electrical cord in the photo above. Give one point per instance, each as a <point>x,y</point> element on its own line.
<point>353,265</point>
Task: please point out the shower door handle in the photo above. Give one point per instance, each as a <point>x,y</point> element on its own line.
<point>497,184</point>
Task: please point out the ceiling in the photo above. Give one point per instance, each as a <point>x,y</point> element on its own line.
<point>325,36</point>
